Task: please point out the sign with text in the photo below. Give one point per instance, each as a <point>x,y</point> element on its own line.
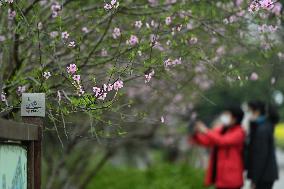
<point>33,105</point>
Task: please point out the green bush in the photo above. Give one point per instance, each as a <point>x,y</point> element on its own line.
<point>162,176</point>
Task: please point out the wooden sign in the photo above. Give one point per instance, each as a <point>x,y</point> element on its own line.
<point>33,105</point>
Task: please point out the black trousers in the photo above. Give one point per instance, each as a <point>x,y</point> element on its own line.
<point>264,185</point>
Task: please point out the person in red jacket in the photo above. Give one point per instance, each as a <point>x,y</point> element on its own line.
<point>226,142</point>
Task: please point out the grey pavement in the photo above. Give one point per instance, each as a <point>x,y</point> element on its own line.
<point>280,183</point>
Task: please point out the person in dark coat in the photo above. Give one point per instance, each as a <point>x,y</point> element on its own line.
<point>225,170</point>
<point>262,167</point>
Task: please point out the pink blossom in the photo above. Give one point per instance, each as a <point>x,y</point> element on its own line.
<point>266,4</point>
<point>133,40</point>
<point>149,76</point>
<point>240,13</point>
<point>102,96</point>
<point>3,97</point>
<point>80,91</point>
<point>109,87</point>
<point>107,6</point>
<point>169,42</point>
<point>162,119</point>
<point>253,7</point>
<point>65,35</point>
<point>118,85</point>
<point>53,34</point>
<point>239,2</point>
<point>11,14</point>
<point>2,38</point>
<point>105,87</point>
<point>179,27</point>
<point>280,55</point>
<point>55,9</point>
<point>189,26</point>
<point>77,78</point>
<point>273,80</point>
<point>21,89</point>
<point>72,44</point>
<point>154,38</point>
<point>72,68</point>
<point>193,40</point>
<point>171,1</point>
<point>104,52</point>
<point>46,75</point>
<point>148,25</point>
<point>138,24</point>
<point>39,26</point>
<point>85,30</point>
<point>168,20</point>
<point>277,9</point>
<point>232,19</point>
<point>173,31</point>
<point>220,51</point>
<point>225,21</point>
<point>254,76</point>
<point>9,1</point>
<point>97,91</point>
<point>153,2</point>
<point>116,33</point>
<point>154,24</point>
<point>112,4</point>
<point>214,40</point>
<point>169,62</point>
<point>177,61</point>
<point>267,29</point>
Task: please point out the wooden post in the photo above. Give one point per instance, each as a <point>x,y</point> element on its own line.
<point>34,154</point>
<point>32,112</point>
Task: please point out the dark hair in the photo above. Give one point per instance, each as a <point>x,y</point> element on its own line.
<point>236,112</point>
<point>257,105</point>
<point>265,110</point>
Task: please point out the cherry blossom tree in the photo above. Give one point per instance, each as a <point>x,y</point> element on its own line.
<point>112,64</point>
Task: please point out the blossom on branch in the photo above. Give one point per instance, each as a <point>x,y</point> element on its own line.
<point>72,68</point>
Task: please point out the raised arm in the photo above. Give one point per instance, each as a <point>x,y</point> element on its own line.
<point>235,137</point>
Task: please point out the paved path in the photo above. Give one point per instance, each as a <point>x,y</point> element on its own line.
<point>280,183</point>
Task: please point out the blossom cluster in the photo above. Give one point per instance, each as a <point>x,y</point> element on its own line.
<point>171,63</point>
<point>149,76</point>
<point>267,28</point>
<point>55,9</point>
<point>257,4</point>
<point>11,14</point>
<point>46,75</point>
<point>3,97</point>
<point>133,40</point>
<point>101,93</point>
<point>111,5</point>
<point>21,89</point>
<point>72,69</point>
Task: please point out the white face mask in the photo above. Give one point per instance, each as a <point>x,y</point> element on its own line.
<point>225,120</point>
<point>249,115</point>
